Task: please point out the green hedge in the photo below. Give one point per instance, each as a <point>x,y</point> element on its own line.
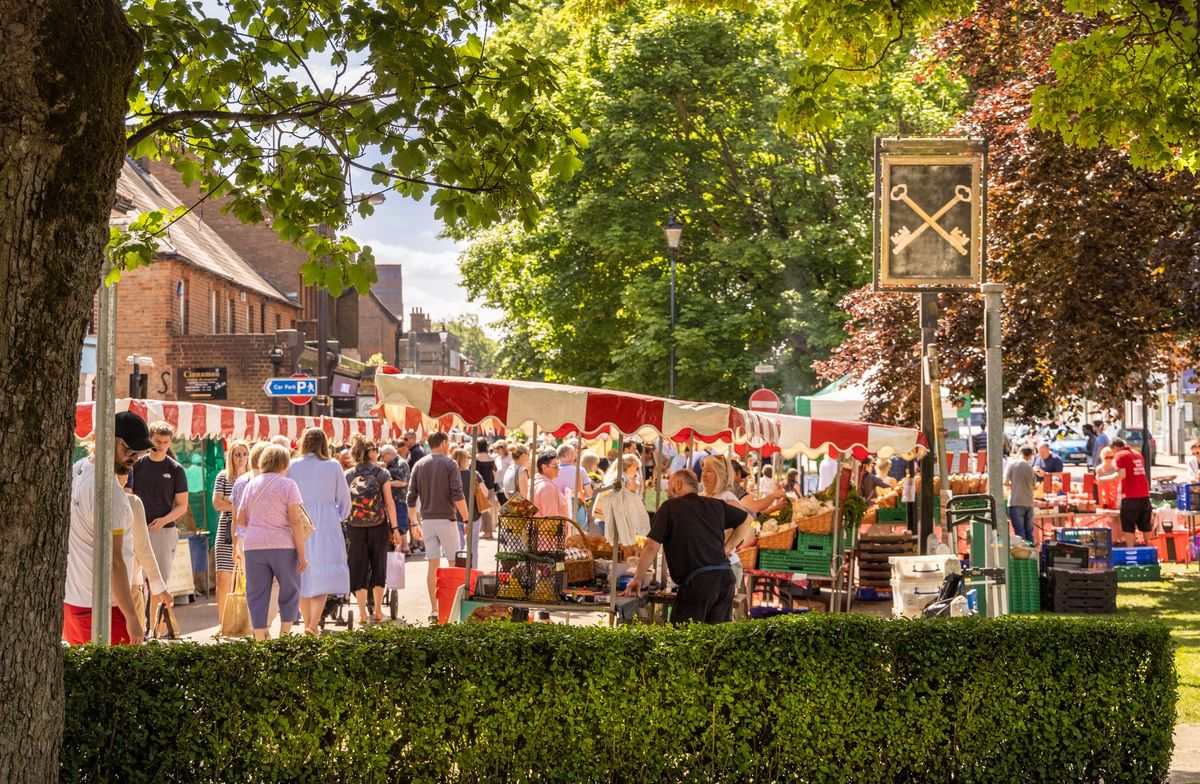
<point>815,699</point>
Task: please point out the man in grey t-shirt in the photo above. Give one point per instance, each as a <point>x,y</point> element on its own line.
<point>436,484</point>
<point>1020,481</point>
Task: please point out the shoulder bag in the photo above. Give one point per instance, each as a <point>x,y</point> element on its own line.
<point>306,523</point>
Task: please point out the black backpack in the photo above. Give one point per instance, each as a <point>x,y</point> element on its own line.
<point>366,498</point>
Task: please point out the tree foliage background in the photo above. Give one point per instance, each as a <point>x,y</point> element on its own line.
<point>1100,258</point>
<point>682,109</point>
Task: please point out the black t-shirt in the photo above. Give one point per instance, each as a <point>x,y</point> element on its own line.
<point>487,472</point>
<point>156,483</point>
<point>415,453</point>
<point>691,530</point>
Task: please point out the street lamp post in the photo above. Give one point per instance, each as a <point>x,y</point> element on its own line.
<point>673,231</point>
<point>276,357</point>
<point>137,385</point>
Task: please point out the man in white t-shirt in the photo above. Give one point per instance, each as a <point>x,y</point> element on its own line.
<point>132,441</point>
<point>826,472</point>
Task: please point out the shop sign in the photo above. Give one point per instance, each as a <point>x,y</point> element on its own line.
<point>930,213</point>
<point>208,383</point>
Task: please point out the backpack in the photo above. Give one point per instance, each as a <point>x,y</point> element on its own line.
<point>366,498</point>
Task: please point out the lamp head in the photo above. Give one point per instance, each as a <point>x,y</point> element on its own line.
<point>674,232</point>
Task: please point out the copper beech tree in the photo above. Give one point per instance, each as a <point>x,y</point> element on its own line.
<point>1099,257</point>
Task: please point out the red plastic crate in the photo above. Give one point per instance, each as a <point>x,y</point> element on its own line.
<point>1179,551</point>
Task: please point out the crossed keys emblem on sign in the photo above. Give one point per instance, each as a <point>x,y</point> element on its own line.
<point>903,238</point>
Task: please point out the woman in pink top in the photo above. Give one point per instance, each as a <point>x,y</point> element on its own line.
<point>272,541</point>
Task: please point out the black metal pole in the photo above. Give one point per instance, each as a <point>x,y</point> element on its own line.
<point>671,392</point>
<point>929,319</point>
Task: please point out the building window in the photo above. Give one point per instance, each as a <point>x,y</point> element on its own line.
<point>279,326</point>
<point>181,293</point>
<point>230,319</point>
<point>249,318</point>
<point>213,310</point>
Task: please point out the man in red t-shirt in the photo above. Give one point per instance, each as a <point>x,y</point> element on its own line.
<point>1135,493</point>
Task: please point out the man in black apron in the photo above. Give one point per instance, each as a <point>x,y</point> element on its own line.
<point>697,535</point>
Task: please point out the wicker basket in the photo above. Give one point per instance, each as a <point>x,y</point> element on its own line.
<point>783,539</point>
<point>582,570</point>
<point>749,556</point>
<point>817,524</point>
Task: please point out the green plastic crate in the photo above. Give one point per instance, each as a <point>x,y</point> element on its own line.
<point>793,561</point>
<point>1142,573</point>
<point>1024,586</point>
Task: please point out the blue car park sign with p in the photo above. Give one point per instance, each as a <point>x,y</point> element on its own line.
<point>290,387</point>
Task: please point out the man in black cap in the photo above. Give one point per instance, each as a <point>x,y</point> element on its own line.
<point>132,441</point>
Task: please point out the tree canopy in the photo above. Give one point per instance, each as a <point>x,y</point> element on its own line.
<point>1098,255</point>
<point>682,112</point>
<point>296,111</point>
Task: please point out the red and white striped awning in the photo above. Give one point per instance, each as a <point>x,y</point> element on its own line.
<point>191,420</point>
<point>199,420</point>
<point>339,429</point>
<point>813,437</point>
<point>561,410</point>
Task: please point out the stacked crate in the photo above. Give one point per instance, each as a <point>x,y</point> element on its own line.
<point>874,571</point>
<point>1080,590</point>
<point>1133,564</point>
<point>1023,586</point>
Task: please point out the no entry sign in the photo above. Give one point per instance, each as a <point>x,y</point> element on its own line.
<point>764,400</point>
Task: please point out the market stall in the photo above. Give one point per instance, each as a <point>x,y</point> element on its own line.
<point>559,410</point>
<point>816,537</point>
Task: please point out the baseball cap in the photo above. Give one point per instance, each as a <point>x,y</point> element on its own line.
<point>132,429</point>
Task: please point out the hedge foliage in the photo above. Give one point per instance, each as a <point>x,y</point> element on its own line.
<point>816,699</point>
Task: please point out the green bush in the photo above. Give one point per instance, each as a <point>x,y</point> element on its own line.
<point>815,699</point>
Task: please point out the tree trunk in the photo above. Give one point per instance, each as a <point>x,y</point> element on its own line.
<point>65,67</point>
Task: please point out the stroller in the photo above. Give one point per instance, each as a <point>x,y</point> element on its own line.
<point>339,608</point>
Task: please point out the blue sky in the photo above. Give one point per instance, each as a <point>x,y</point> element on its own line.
<point>405,232</point>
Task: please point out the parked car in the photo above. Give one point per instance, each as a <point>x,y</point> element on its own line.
<point>1133,437</point>
<point>1068,443</point>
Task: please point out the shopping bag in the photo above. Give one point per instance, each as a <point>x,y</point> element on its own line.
<point>395,569</point>
<point>165,619</point>
<point>235,615</point>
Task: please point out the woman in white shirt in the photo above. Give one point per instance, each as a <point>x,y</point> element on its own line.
<point>716,481</point>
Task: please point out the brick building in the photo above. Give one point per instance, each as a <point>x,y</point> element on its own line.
<point>203,316</point>
<point>221,295</point>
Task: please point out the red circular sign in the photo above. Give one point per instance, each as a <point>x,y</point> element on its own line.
<point>301,400</point>
<point>764,401</point>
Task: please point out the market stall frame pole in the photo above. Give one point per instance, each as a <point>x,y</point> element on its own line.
<point>836,562</point>
<point>472,512</point>
<point>929,318</point>
<point>104,422</point>
<point>994,374</point>
<point>616,545</point>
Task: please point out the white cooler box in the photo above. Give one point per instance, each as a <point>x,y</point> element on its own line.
<point>916,581</point>
<point>909,599</point>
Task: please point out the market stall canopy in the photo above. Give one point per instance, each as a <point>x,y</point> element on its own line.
<point>561,410</point>
<point>844,400</point>
<point>191,420</point>
<point>813,437</point>
<point>200,420</point>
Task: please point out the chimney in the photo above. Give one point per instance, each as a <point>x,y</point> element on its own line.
<point>418,321</point>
